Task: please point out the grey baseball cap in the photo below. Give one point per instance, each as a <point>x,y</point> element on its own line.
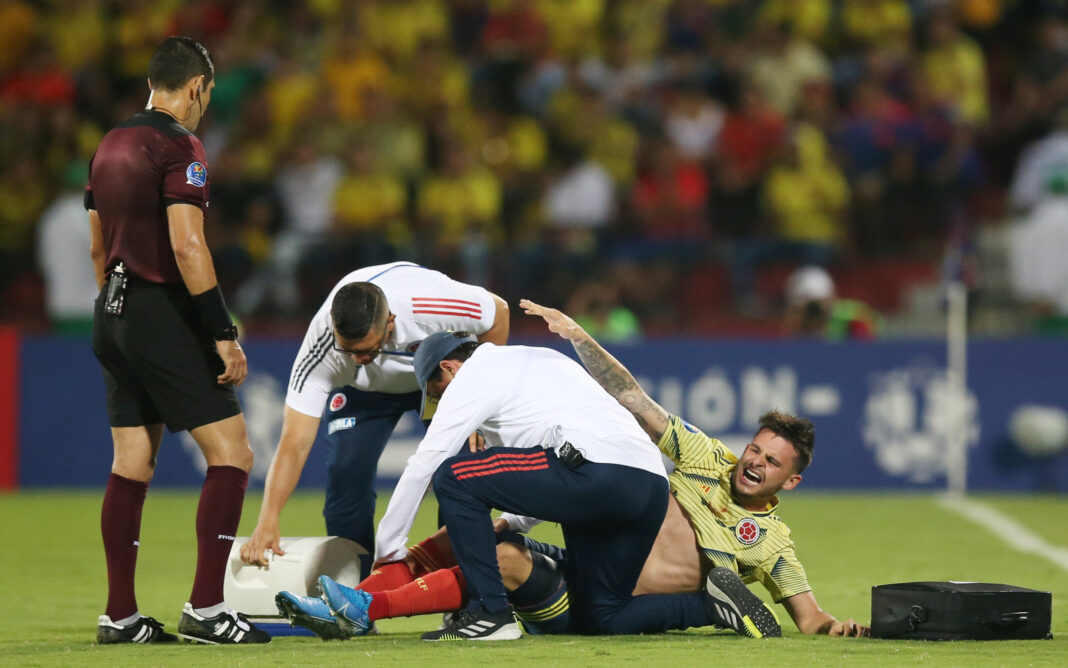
<point>430,352</point>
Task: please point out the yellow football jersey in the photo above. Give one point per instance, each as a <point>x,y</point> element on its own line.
<point>755,544</point>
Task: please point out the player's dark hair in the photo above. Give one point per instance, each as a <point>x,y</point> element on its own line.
<point>797,430</point>
<point>357,307</point>
<point>176,61</point>
<point>460,354</point>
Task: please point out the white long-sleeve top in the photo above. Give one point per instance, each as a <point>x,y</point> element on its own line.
<point>519,397</point>
<point>425,301</point>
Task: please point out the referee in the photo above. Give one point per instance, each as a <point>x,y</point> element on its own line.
<point>166,344</point>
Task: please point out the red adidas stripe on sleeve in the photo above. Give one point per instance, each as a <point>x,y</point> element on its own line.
<point>444,306</point>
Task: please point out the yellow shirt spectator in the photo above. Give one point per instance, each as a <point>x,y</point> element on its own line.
<point>435,80</point>
<point>140,29</point>
<point>364,202</point>
<point>289,94</point>
<point>886,23</point>
<point>18,27</point>
<point>350,71</point>
<point>615,146</point>
<point>528,144</point>
<point>373,203</point>
<point>782,73</point>
<point>453,204</point>
<point>640,24</point>
<point>810,19</point>
<point>77,34</point>
<point>955,67</point>
<point>806,193</point>
<point>574,26</point>
<point>23,197</point>
<point>400,26</point>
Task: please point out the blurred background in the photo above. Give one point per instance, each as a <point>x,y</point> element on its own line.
<point>659,165</point>
<point>661,169</point>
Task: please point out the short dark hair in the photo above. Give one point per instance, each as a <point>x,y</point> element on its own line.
<point>176,61</point>
<point>357,307</point>
<point>797,430</point>
<point>460,353</point>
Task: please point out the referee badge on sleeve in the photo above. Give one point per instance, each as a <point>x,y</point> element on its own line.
<point>196,174</point>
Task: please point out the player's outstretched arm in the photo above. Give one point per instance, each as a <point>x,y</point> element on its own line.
<point>812,619</point>
<point>605,369</point>
<point>298,436</point>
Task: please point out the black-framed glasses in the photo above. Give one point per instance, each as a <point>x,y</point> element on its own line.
<point>367,351</point>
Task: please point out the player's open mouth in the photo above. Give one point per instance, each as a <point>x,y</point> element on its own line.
<point>751,476</point>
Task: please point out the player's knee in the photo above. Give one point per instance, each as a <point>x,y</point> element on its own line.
<point>240,456</point>
<point>139,471</point>
<point>225,443</point>
<point>237,454</point>
<point>514,563</point>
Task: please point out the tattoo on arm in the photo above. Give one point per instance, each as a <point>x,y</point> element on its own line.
<point>619,383</point>
<point>607,371</point>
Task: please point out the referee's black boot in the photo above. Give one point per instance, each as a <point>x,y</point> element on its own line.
<point>144,630</point>
<point>226,628</point>
<point>481,625</point>
<point>730,604</point>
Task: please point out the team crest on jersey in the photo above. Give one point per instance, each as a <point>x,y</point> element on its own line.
<point>196,175</point>
<point>338,401</point>
<point>747,531</point>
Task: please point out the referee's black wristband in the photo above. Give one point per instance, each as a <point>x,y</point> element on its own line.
<point>214,315</point>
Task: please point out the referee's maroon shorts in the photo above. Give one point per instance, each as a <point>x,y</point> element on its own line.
<point>159,363</point>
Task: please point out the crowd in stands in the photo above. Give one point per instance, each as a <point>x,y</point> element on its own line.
<point>648,158</point>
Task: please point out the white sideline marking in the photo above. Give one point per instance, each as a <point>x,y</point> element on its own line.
<point>1007,529</point>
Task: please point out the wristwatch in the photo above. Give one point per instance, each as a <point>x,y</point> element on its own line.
<point>228,334</point>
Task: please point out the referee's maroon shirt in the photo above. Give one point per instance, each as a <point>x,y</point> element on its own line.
<point>139,168</point>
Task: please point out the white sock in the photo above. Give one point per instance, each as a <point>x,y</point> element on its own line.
<point>216,609</point>
<point>128,620</point>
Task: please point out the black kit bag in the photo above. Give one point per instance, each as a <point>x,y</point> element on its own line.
<point>959,611</point>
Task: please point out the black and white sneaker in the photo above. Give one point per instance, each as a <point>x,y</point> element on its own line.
<point>226,628</point>
<point>145,629</point>
<point>730,604</point>
<point>466,625</point>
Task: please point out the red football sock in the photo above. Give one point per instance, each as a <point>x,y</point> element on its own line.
<point>218,515</point>
<point>120,526</point>
<point>429,557</point>
<point>440,591</point>
<point>386,577</point>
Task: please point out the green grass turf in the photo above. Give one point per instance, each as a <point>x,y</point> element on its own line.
<point>53,583</point>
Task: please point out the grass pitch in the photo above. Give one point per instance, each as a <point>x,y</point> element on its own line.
<point>53,580</point>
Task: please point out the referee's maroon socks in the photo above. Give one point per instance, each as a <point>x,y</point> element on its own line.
<point>120,526</point>
<point>218,515</point>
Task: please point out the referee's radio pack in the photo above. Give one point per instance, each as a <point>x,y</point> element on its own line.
<point>959,611</point>
<point>251,589</point>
